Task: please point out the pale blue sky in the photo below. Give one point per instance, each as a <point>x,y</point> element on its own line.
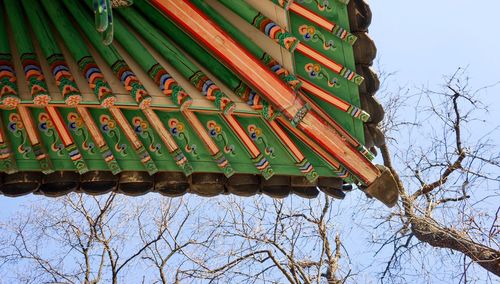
<point>428,38</point>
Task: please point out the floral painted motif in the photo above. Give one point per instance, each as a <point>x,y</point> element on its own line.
<point>216,132</point>
<point>16,127</point>
<point>47,128</point>
<point>322,5</point>
<point>257,136</point>
<point>177,129</point>
<point>77,126</point>
<point>316,72</point>
<point>141,128</point>
<point>108,126</point>
<point>310,33</point>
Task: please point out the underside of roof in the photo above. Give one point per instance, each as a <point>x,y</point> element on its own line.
<point>176,96</point>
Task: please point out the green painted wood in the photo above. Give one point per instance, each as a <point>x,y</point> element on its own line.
<point>109,54</point>
<point>157,40</point>
<point>20,30</point>
<point>4,40</point>
<point>268,143</point>
<point>162,41</point>
<point>50,49</point>
<point>8,87</point>
<point>34,75</point>
<point>16,133</point>
<point>78,49</point>
<point>191,145</point>
<point>261,22</point>
<point>172,54</point>
<point>316,73</point>
<point>48,133</point>
<point>8,162</point>
<point>151,140</point>
<point>90,152</point>
<point>255,18</point>
<point>282,3</point>
<point>227,141</point>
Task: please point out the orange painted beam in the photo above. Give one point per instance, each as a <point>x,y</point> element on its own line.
<point>200,27</point>
<point>214,150</point>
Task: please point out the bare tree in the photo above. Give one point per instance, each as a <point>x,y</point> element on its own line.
<point>274,241</point>
<point>88,239</point>
<point>443,172</point>
<point>180,235</point>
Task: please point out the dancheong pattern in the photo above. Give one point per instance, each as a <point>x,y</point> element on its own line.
<point>141,128</point>
<point>178,129</point>
<point>77,126</point>
<point>16,127</point>
<point>145,89</point>
<point>216,131</point>
<point>109,127</point>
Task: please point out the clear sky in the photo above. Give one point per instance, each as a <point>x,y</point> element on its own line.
<point>425,39</point>
<point>422,41</point>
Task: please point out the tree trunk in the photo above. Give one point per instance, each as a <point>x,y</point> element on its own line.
<point>426,230</point>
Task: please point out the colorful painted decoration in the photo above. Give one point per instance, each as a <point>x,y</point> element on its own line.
<point>142,129</point>
<point>50,49</point>
<point>212,92</point>
<point>316,72</point>
<point>9,96</point>
<point>275,32</point>
<point>248,13</point>
<point>109,127</point>
<point>7,158</point>
<point>169,86</point>
<point>178,130</point>
<point>28,124</point>
<point>8,88</point>
<point>320,5</point>
<point>94,76</point>
<point>251,98</point>
<point>120,68</point>
<point>310,33</point>
<point>35,79</point>
<point>257,136</point>
<point>132,84</point>
<point>80,53</point>
<point>83,118</point>
<point>16,127</point>
<point>77,126</point>
<point>175,57</point>
<point>64,80</point>
<point>305,8</point>
<point>47,128</point>
<point>201,96</point>
<point>216,131</point>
